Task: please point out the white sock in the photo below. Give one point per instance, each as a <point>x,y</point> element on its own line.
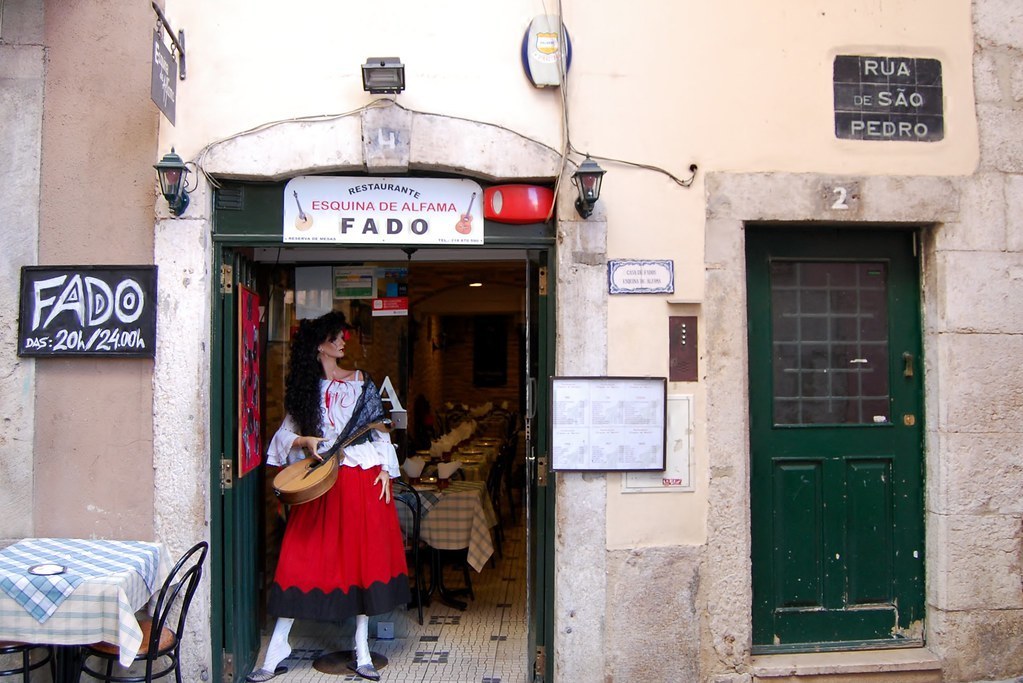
<point>278,648</point>
<point>362,640</point>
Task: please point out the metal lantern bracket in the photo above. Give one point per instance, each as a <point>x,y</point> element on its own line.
<point>179,42</point>
<point>587,180</point>
<point>172,172</point>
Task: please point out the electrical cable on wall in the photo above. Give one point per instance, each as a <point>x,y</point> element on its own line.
<point>567,148</point>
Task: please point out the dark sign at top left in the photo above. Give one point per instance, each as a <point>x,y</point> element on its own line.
<point>163,87</point>
<point>88,311</point>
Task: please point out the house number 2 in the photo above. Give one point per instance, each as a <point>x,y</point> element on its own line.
<point>845,197</point>
<point>841,194</point>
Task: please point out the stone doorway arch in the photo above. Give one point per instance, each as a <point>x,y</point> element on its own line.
<point>382,138</point>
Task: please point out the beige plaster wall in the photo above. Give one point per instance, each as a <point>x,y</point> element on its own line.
<point>93,436</point>
<point>666,85</point>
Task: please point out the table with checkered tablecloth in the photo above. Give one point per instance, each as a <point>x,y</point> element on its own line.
<point>460,516</point>
<point>95,597</point>
<point>471,469</point>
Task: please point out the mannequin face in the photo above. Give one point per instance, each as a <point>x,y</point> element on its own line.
<point>334,348</point>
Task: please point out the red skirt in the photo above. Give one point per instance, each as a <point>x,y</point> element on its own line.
<point>342,554</point>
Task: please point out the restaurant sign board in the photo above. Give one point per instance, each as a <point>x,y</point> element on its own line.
<point>163,86</point>
<point>372,210</point>
<point>88,311</point>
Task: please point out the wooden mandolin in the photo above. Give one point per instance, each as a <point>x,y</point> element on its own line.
<point>308,479</point>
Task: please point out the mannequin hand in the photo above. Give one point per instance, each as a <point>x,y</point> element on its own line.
<point>384,479</point>
<point>309,445</point>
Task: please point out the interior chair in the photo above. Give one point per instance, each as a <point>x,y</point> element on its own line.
<point>24,652</point>
<point>455,417</point>
<point>161,644</point>
<point>408,496</point>
<point>514,474</point>
<point>494,484</point>
<point>496,423</point>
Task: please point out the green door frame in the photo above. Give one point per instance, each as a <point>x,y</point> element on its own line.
<point>540,486</point>
<point>232,519</point>
<point>247,215</point>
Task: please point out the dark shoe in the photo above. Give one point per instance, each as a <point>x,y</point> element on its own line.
<point>367,671</point>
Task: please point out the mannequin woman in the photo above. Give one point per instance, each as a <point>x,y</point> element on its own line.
<point>342,554</point>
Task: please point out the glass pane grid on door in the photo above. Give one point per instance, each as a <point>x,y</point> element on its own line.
<point>829,343</point>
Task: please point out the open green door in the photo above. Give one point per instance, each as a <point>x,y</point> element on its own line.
<point>836,439</point>
<point>234,551</point>
<point>540,487</point>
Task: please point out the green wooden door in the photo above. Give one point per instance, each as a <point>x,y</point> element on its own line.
<point>539,486</point>
<point>836,439</point>
<point>234,517</point>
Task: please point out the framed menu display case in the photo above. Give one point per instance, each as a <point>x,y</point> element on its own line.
<point>608,423</point>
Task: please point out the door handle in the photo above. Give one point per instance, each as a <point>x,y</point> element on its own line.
<point>907,364</point>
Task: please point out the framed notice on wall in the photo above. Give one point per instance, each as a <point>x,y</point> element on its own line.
<point>608,423</point>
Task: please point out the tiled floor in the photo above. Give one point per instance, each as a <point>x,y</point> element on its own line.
<point>486,643</point>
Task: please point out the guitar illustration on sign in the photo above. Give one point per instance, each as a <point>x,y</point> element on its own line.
<point>304,220</point>
<point>464,224</point>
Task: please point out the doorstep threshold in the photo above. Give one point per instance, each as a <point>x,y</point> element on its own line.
<point>845,662</point>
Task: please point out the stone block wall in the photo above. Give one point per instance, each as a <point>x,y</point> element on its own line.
<point>22,64</point>
<point>975,320</point>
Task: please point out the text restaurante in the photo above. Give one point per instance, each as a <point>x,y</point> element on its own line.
<point>390,187</point>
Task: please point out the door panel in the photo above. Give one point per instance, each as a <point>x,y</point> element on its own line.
<point>539,487</point>
<point>797,530</point>
<point>236,527</point>
<point>869,525</point>
<point>836,439</point>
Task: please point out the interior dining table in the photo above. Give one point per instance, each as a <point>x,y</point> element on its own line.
<point>457,517</point>
<point>68,592</point>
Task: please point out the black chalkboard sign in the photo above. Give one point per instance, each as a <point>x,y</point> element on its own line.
<point>88,311</point>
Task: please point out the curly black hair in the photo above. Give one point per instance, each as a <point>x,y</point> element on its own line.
<point>302,387</point>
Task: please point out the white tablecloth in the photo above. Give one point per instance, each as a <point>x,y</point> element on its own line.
<point>461,516</point>
<point>108,580</point>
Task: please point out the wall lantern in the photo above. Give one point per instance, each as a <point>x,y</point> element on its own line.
<point>587,179</point>
<point>173,173</point>
<point>383,75</point>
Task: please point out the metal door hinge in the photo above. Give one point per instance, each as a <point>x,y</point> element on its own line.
<point>543,280</point>
<point>226,278</point>
<point>227,667</point>
<point>540,664</point>
<point>226,474</point>
<point>541,471</point>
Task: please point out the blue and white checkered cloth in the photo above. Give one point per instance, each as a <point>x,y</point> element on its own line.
<point>42,595</point>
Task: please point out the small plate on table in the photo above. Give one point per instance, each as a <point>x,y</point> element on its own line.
<point>47,569</point>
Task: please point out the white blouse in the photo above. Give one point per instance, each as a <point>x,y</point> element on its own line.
<point>337,402</point>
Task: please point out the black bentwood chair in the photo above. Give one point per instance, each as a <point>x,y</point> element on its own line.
<point>160,644</point>
<point>406,494</point>
<point>24,652</point>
